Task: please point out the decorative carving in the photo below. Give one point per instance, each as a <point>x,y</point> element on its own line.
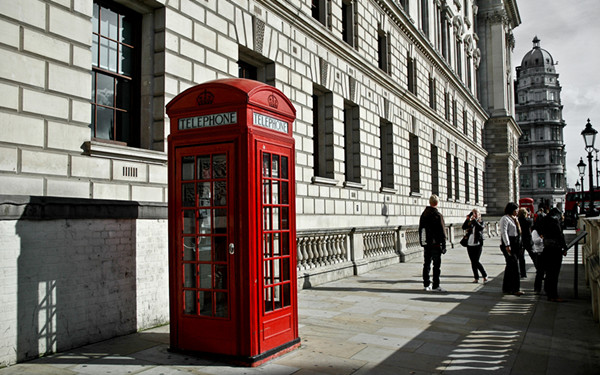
<point>273,102</point>
<point>259,35</point>
<point>205,97</point>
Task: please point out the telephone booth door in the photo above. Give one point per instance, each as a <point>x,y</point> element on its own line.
<point>205,277</point>
<point>277,263</point>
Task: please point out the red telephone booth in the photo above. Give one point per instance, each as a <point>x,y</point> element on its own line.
<point>232,226</point>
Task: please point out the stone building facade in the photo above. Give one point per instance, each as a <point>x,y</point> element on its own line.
<point>539,113</point>
<point>395,100</point>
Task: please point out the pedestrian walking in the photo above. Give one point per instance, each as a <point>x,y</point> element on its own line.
<point>432,236</point>
<point>510,238</point>
<point>555,248</point>
<point>526,223</point>
<point>474,226</point>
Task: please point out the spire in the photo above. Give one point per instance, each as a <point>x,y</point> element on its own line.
<point>536,42</point>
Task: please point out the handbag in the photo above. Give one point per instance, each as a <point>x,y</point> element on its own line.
<point>465,240</point>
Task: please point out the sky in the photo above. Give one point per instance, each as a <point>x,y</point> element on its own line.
<point>570,32</point>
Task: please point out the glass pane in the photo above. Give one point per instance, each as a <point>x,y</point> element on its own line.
<point>220,248</point>
<point>105,90</point>
<point>275,192</point>
<point>275,166</point>
<point>276,270</point>
<point>189,222</point>
<point>204,219</point>
<point>108,23</point>
<point>189,276</point>
<point>125,60</point>
<point>219,166</point>
<point>220,221</point>
<point>284,193</point>
<point>190,302</point>
<point>220,193</point>
<point>204,167</point>
<point>267,218</point>
<point>189,248</point>
<point>266,193</point>
<point>222,305</point>
<point>92,126</point>
<point>268,299</point>
<point>284,167</point>
<point>267,245</point>
<point>285,243</point>
<point>187,168</point>
<point>277,296</point>
<point>275,220</point>
<point>126,31</point>
<point>123,126</point>
<point>267,272</point>
<point>95,18</point>
<point>287,297</point>
<point>105,122</point>
<point>108,55</point>
<point>206,303</point>
<point>266,169</point>
<point>204,248</point>
<point>205,276</point>
<point>204,194</point>
<point>221,276</point>
<point>285,269</point>
<point>276,244</point>
<point>188,198</point>
<point>123,100</point>
<point>95,50</point>
<point>285,223</point>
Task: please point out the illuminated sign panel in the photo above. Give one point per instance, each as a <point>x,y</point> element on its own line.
<point>216,119</point>
<point>270,122</point>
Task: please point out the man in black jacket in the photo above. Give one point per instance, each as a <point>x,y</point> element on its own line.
<point>550,228</point>
<point>432,236</point>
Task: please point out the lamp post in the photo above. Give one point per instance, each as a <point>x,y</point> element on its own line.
<point>589,137</point>
<point>581,166</point>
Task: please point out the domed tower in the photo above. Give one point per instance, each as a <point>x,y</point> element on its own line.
<point>539,114</point>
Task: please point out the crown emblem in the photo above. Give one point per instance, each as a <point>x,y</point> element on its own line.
<point>273,101</point>
<point>205,97</point>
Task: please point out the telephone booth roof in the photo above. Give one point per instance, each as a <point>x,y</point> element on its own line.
<point>222,95</point>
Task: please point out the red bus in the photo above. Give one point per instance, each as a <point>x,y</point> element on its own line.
<point>574,198</point>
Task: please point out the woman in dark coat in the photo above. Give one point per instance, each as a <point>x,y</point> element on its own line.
<point>555,247</point>
<point>474,227</point>
<point>526,224</point>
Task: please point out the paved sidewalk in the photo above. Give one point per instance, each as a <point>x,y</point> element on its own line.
<point>383,322</point>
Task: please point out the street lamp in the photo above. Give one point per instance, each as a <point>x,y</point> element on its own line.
<point>589,137</point>
<point>581,166</point>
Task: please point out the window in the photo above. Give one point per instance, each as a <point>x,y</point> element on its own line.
<point>467,183</point>
<point>474,131</point>
<point>465,122</point>
<point>454,113</point>
<point>432,93</point>
<point>252,65</point>
<point>456,179</point>
<point>525,158</point>
<point>319,10</point>
<point>425,17</point>
<point>555,156</point>
<point>476,174</point>
<point>435,172</point>
<point>556,180</point>
<point>386,139</point>
<point>115,74</point>
<point>556,134</point>
<point>382,51</point>
<point>447,106</point>
<point>449,174</point>
<point>458,58</point>
<point>411,74</point>
<point>415,179</point>
<point>541,180</point>
<point>525,181</point>
<point>323,133</point>
<point>348,21</point>
<point>469,67</point>
<point>352,142</point>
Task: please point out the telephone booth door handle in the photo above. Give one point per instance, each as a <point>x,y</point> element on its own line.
<point>231,248</point>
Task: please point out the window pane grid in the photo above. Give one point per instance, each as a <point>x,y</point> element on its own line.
<point>204,254</point>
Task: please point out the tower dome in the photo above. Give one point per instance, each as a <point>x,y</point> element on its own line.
<point>538,58</point>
